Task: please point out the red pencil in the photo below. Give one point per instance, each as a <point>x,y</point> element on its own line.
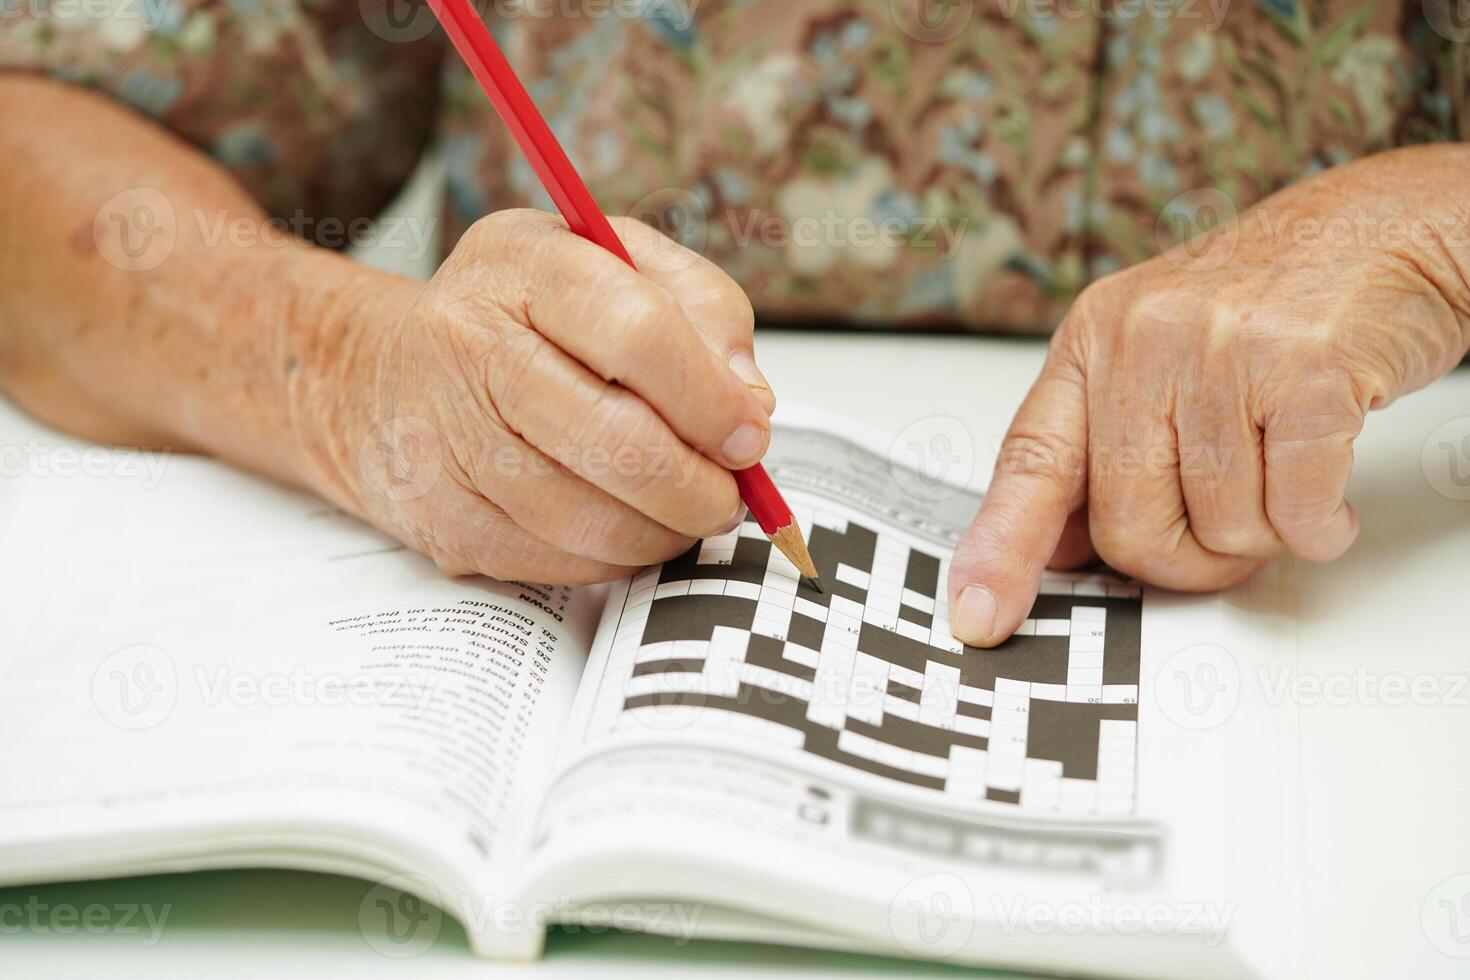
<point>514,106</point>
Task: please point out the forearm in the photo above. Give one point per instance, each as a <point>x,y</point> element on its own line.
<point>172,315</point>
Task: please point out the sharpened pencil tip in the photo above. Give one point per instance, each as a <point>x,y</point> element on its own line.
<point>815,583</point>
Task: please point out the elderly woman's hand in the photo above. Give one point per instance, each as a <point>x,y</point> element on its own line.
<point>539,410</point>
<point>543,411</point>
<point>1196,413</point>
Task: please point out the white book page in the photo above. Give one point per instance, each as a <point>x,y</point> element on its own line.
<point>204,664</point>
<point>841,761</point>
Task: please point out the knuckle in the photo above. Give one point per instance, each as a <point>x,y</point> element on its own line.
<point>630,428</point>
<point>481,549</point>
<point>1238,539</point>
<point>593,532</point>
<point>626,541</point>
<point>640,306</point>
<point>480,552</point>
<point>737,314</point>
<point>511,360</point>
<point>497,547</point>
<point>1234,316</point>
<point>1314,417</point>
<point>600,532</point>
<point>508,225</point>
<point>452,565</point>
<point>624,223</point>
<point>620,428</point>
<point>635,231</point>
<point>419,535</point>
<point>1071,339</point>
<point>1038,453</point>
<point>505,555</point>
<point>728,319</point>
<point>1095,307</point>
<point>655,248</point>
<point>1154,559</point>
<point>1093,295</point>
<point>724,285</point>
<point>1124,548</point>
<point>638,318</point>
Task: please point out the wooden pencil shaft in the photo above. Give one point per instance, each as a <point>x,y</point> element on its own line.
<point>789,542</point>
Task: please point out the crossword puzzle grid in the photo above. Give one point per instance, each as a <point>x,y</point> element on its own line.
<point>727,639</point>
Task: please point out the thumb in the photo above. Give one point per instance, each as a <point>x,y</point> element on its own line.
<point>1040,479</point>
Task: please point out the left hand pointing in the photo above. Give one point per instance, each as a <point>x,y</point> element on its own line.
<point>1189,425</point>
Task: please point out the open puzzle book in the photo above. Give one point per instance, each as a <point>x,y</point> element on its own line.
<point>204,670</point>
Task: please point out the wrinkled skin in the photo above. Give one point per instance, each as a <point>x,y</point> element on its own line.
<point>1196,413</point>
<point>537,410</point>
<point>543,411</point>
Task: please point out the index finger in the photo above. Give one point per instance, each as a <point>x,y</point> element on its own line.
<point>1040,479</point>
<point>715,304</point>
<point>630,330</point>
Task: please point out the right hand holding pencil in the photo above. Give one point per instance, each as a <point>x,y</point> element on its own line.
<point>544,412</point>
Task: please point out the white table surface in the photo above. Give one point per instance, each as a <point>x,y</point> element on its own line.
<point>1385,800</point>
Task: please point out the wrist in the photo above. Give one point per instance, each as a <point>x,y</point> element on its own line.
<point>1391,233</point>
<point>340,317</point>
<point>1425,226</point>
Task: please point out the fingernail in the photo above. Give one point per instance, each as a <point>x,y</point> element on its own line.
<point>744,446</point>
<point>735,521</point>
<point>743,364</point>
<point>974,614</point>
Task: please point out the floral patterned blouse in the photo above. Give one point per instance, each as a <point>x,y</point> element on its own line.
<point>960,163</point>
